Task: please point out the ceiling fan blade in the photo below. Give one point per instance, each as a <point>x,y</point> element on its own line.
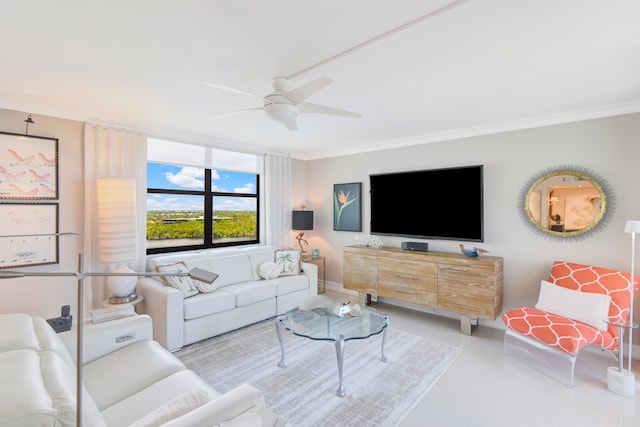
<point>299,94</point>
<point>235,113</point>
<point>307,107</point>
<point>229,89</point>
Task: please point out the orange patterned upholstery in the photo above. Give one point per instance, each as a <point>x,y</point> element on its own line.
<point>566,334</point>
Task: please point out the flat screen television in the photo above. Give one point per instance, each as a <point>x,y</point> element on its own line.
<point>429,204</point>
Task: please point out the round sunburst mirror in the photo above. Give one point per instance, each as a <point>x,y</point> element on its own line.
<point>566,203</point>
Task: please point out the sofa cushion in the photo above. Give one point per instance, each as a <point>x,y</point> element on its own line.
<point>259,256</point>
<point>173,409</point>
<point>211,303</point>
<point>231,269</point>
<point>21,331</point>
<point>139,365</point>
<point>38,388</point>
<point>252,292</point>
<point>135,407</point>
<point>16,332</point>
<point>287,284</point>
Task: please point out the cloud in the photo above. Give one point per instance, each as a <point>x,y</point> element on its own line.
<point>187,177</point>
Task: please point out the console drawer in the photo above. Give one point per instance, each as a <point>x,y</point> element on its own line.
<point>408,266</point>
<point>412,295</point>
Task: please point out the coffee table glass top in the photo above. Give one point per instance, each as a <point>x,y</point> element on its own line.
<point>322,324</point>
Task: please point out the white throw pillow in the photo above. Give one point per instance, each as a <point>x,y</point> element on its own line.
<point>269,270</point>
<point>205,287</point>
<point>588,307</point>
<point>184,284</point>
<point>174,408</point>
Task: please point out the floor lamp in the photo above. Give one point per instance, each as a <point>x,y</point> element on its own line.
<point>80,275</point>
<point>620,381</point>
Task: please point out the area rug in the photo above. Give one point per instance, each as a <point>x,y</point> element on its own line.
<point>304,391</point>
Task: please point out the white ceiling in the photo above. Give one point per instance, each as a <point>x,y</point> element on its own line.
<point>476,67</point>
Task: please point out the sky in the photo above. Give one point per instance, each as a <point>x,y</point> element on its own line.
<point>192,178</point>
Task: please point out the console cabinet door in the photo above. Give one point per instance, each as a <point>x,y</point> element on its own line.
<point>360,273</point>
<point>468,290</point>
<point>408,280</point>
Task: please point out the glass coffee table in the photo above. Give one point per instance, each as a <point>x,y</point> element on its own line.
<point>323,325</point>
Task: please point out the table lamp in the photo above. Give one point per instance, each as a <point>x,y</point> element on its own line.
<point>302,220</point>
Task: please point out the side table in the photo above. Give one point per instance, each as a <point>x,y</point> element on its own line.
<point>138,300</point>
<point>321,263</point>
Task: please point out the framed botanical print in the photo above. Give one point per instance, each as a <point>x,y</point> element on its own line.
<point>347,207</point>
<point>28,167</point>
<point>28,234</point>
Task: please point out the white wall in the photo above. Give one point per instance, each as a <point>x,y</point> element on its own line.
<point>38,295</point>
<point>610,147</point>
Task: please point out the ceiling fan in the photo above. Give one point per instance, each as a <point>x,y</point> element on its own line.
<point>284,104</point>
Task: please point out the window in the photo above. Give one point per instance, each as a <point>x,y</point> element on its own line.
<point>200,197</point>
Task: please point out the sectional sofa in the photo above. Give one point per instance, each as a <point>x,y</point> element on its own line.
<point>128,380</point>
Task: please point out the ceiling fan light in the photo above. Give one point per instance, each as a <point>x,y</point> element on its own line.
<point>281,113</point>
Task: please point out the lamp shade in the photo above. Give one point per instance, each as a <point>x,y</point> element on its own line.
<point>302,220</point>
<point>117,220</point>
<point>632,226</point>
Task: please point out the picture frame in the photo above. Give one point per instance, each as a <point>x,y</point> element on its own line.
<point>29,234</point>
<point>28,167</point>
<point>347,207</point>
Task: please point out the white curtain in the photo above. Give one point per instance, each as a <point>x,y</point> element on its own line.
<point>278,200</point>
<point>114,153</point>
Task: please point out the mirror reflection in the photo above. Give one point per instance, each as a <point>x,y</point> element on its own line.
<point>565,203</point>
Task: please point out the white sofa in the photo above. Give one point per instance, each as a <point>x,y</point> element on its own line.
<point>242,297</point>
<point>129,380</point>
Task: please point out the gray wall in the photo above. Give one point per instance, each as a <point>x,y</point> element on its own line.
<point>610,147</point>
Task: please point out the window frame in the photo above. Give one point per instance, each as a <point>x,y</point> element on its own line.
<point>209,196</point>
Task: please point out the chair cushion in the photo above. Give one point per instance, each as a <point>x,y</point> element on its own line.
<point>565,334</point>
<point>588,278</point>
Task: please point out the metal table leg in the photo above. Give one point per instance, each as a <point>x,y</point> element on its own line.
<point>384,337</point>
<point>340,354</point>
<point>279,325</point>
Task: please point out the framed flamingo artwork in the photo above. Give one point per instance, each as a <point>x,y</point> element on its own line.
<point>28,167</point>
<point>347,210</point>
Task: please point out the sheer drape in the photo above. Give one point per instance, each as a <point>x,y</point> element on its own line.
<point>278,200</point>
<point>115,153</point>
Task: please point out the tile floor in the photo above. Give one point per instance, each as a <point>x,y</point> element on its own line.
<point>485,388</point>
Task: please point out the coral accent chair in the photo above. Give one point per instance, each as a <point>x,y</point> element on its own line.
<point>551,342</point>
